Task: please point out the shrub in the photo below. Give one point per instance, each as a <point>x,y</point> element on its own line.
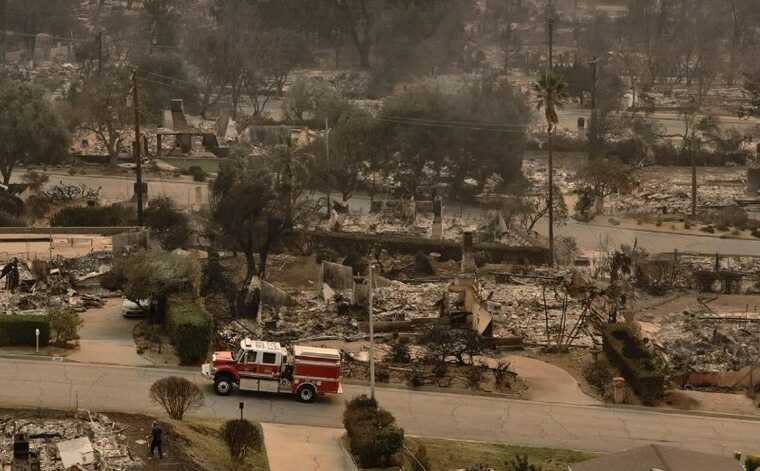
<point>752,463</point>
<point>474,375</point>
<point>19,330</point>
<point>167,224</point>
<point>189,328</point>
<point>38,206</point>
<point>443,342</point>
<point>9,220</point>
<point>732,216</point>
<point>65,323</point>
<point>241,436</point>
<point>521,463</point>
<point>382,374</point>
<point>420,460</point>
<point>416,376</point>
<point>176,395</point>
<point>440,369</point>
<point>501,373</point>
<point>598,374</point>
<point>373,436</point>
<point>197,172</point>
<point>92,216</point>
<point>399,353</point>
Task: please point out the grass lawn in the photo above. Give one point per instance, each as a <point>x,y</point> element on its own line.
<point>448,455</point>
<point>207,447</point>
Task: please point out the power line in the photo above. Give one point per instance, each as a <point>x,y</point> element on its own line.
<point>454,126</point>
<point>11,34</point>
<point>456,122</point>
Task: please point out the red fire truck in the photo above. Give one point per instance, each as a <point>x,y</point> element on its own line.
<point>268,367</point>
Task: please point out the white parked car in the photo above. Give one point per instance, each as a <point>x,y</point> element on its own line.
<point>133,310</point>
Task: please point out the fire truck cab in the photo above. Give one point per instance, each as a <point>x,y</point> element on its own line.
<point>268,367</point>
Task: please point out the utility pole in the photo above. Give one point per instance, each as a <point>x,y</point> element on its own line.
<point>593,130</point>
<point>371,335</point>
<point>594,86</point>
<point>137,148</point>
<point>693,178</point>
<point>327,150</point>
<point>3,28</point>
<point>99,39</point>
<point>550,72</point>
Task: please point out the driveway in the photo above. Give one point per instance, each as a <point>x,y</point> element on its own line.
<point>548,383</point>
<point>292,447</point>
<point>106,337</point>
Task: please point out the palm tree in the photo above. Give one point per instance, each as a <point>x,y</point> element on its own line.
<point>551,95</point>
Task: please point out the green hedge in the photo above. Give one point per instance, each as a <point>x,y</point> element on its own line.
<point>372,432</point>
<point>636,364</point>
<point>189,328</point>
<point>92,216</point>
<point>18,330</point>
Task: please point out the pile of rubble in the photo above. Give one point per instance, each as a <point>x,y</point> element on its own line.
<point>700,342</point>
<point>403,302</point>
<point>89,441</point>
<point>519,311</point>
<point>453,227</point>
<point>674,197</point>
<point>48,285</point>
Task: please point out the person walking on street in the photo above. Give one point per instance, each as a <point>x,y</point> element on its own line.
<point>155,441</point>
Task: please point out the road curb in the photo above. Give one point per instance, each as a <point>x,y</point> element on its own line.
<point>666,233</point>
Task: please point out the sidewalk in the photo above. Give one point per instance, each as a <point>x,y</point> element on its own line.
<point>292,447</point>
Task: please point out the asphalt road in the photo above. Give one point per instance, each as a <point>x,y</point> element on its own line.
<point>35,383</point>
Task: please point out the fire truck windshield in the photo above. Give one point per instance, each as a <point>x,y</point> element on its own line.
<point>238,356</point>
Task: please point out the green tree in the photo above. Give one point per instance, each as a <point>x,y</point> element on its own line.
<point>154,275</point>
<point>100,107</point>
<point>604,177</point>
<point>253,59</point>
<point>433,134</point>
<point>161,21</point>
<point>167,223</point>
<point>256,203</point>
<point>166,78</point>
<point>551,95</point>
<point>353,144</point>
<point>31,131</point>
<point>314,102</point>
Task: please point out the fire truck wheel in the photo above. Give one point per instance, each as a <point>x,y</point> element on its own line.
<point>223,386</point>
<point>306,393</point>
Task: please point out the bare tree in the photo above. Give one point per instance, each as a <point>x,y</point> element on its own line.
<point>176,395</point>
